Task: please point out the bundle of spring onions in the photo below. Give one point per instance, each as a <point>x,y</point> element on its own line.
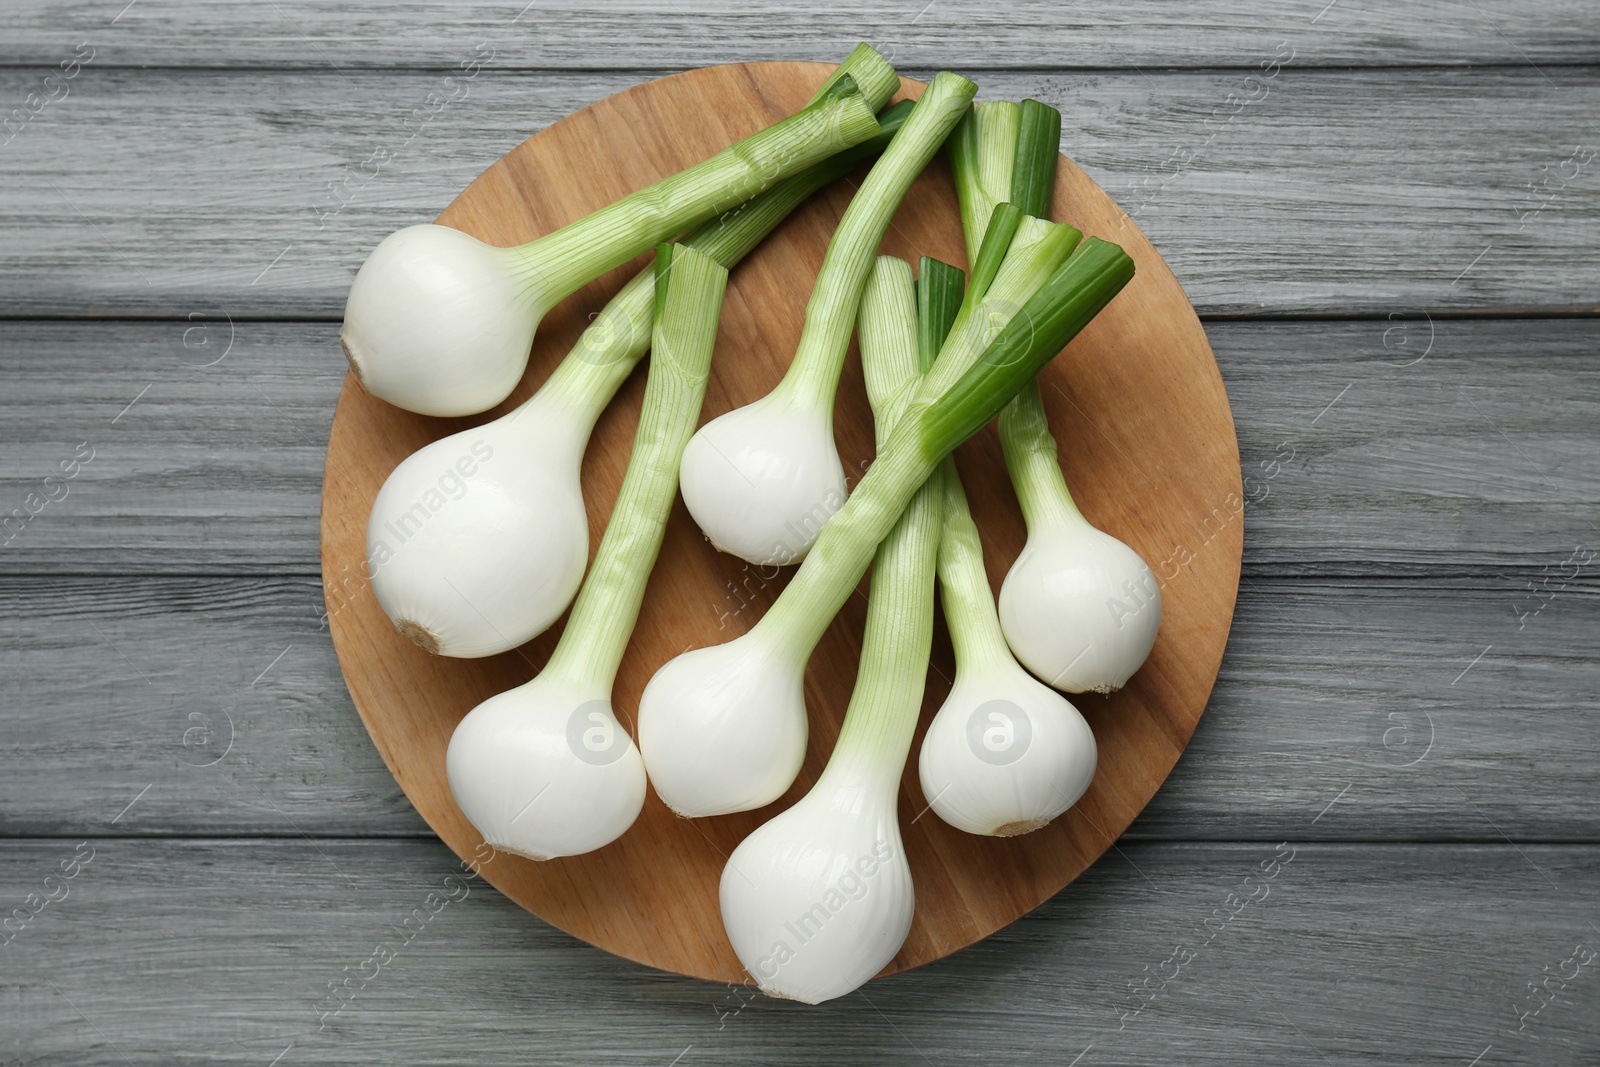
<point>441,324</point>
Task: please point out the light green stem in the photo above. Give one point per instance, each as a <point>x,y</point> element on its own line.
<point>801,613</point>
<point>882,715</point>
<point>968,603</point>
<point>592,645</point>
<point>813,376</point>
<point>609,348</point>
<point>1010,155</point>
<point>843,550</point>
<point>969,607</point>
<point>889,350</point>
<point>981,153</point>
<point>556,265</point>
<point>1034,463</point>
<point>871,72</point>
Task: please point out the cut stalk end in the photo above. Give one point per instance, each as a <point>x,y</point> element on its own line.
<point>871,72</point>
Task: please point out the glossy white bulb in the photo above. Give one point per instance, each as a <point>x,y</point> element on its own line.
<point>723,728</point>
<point>437,322</point>
<point>478,542</point>
<point>819,899</point>
<point>1005,754</point>
<point>1079,608</point>
<point>762,480</point>
<point>545,770</point>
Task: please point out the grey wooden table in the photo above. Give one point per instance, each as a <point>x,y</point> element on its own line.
<point>1387,216</point>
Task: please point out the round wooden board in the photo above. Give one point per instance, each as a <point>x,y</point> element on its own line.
<point>1147,443</point>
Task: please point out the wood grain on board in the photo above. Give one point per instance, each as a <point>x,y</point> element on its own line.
<point>1162,473</point>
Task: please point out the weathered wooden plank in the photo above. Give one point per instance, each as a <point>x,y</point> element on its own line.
<point>208,467</point>
<point>662,35</point>
<point>215,705</point>
<point>1312,189</point>
<point>224,952</point>
<point>1477,455</point>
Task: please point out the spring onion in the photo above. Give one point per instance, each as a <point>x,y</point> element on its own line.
<point>819,898</point>
<point>740,706</point>
<point>478,541</point>
<point>545,769</point>
<point>983,178</point>
<point>1005,753</point>
<point>723,728</point>
<point>440,323</point>
<point>763,479</point>
<point>1079,608</point>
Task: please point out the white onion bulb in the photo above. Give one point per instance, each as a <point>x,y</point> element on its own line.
<point>427,290</point>
<point>478,542</point>
<point>762,480</point>
<point>819,899</point>
<point>1005,754</point>
<point>724,728</point>
<point>545,770</point>
<point>1079,608</point>
<point>440,323</point>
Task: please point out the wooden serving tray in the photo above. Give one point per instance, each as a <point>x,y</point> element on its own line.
<point>1147,443</point>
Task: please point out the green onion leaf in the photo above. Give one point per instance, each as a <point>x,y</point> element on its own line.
<point>1003,223</point>
<point>1094,274</point>
<point>1033,174</point>
<point>939,296</point>
<point>603,616</point>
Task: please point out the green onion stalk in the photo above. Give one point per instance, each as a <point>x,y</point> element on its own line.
<point>724,728</point>
<point>847,827</point>
<point>440,323</point>
<point>761,480</point>
<point>545,769</point>
<point>1079,608</point>
<point>447,540</point>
